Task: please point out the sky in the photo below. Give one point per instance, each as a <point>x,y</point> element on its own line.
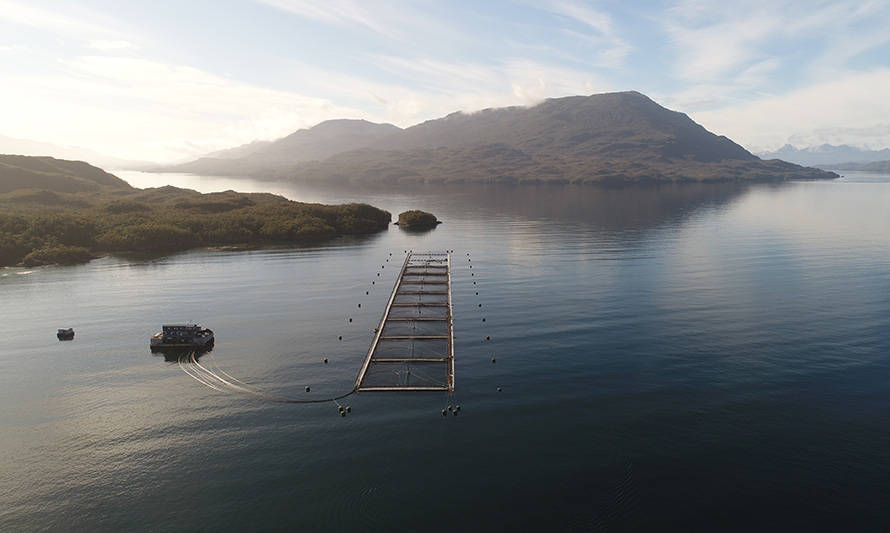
<point>169,80</point>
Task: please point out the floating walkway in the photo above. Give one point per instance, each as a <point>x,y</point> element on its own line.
<point>413,348</point>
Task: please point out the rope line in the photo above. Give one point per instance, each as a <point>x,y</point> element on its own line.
<point>212,379</point>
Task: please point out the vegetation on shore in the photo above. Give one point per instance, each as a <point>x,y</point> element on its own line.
<point>39,226</point>
<point>417,220</point>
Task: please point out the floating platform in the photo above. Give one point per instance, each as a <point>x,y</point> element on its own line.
<point>413,347</point>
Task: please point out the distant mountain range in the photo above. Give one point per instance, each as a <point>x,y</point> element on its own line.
<point>827,155</point>
<point>608,138</point>
<point>874,166</point>
<point>12,145</point>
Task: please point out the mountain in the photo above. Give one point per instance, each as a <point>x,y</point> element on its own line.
<point>827,155</point>
<point>239,151</point>
<point>57,175</point>
<point>316,143</point>
<point>874,166</point>
<point>608,138</point>
<point>11,145</point>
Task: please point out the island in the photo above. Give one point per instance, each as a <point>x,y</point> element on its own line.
<point>416,220</point>
<point>610,139</point>
<point>67,212</point>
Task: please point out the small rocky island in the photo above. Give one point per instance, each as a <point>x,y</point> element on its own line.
<point>416,220</point>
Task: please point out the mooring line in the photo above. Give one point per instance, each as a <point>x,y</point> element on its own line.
<point>213,380</point>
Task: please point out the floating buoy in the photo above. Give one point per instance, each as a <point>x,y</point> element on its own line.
<point>307,388</point>
<point>474,283</point>
<point>499,389</point>
<point>325,360</point>
<point>372,283</point>
<point>454,413</point>
<point>366,292</point>
<point>351,320</point>
<point>359,305</point>
<point>479,306</point>
<point>340,408</point>
<point>378,274</point>
<point>472,274</point>
<point>494,360</point>
<point>342,413</point>
<point>348,409</point>
<point>450,408</point>
<point>444,412</point>
<point>477,293</point>
<point>457,408</point>
<point>488,337</point>
<point>340,338</point>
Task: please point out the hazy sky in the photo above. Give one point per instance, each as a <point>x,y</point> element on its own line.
<point>161,80</point>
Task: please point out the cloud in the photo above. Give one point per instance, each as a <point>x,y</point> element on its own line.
<point>106,46</point>
<point>142,109</point>
<point>344,12</point>
<point>715,41</point>
<point>852,109</point>
<point>35,17</point>
<point>452,86</point>
<point>611,49</point>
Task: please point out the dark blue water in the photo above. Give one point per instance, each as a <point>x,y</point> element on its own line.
<point>689,358</point>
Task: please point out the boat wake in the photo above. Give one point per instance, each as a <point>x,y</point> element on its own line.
<point>214,377</point>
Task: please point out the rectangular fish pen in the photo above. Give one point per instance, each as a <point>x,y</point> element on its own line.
<point>413,347</point>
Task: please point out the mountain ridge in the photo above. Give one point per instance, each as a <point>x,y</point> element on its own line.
<point>827,155</point>
<point>604,138</point>
<point>58,175</point>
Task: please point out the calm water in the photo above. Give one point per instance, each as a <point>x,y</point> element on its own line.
<point>695,358</point>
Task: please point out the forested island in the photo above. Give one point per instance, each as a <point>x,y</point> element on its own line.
<point>56,211</point>
<point>416,220</point>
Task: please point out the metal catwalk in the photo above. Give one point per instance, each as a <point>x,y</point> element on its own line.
<point>413,348</point>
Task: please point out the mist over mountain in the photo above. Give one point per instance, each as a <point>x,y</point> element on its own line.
<point>12,145</point>
<point>604,138</point>
<point>827,155</point>
<point>319,142</point>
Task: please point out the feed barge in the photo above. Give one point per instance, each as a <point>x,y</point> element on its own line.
<point>190,337</point>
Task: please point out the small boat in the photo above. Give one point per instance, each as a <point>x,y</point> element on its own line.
<point>182,337</point>
<point>65,334</point>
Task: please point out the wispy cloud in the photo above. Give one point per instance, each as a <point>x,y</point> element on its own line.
<point>718,41</point>
<point>139,108</point>
<point>107,46</point>
<point>368,15</point>
<point>52,20</point>
<point>599,32</point>
<point>852,110</point>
